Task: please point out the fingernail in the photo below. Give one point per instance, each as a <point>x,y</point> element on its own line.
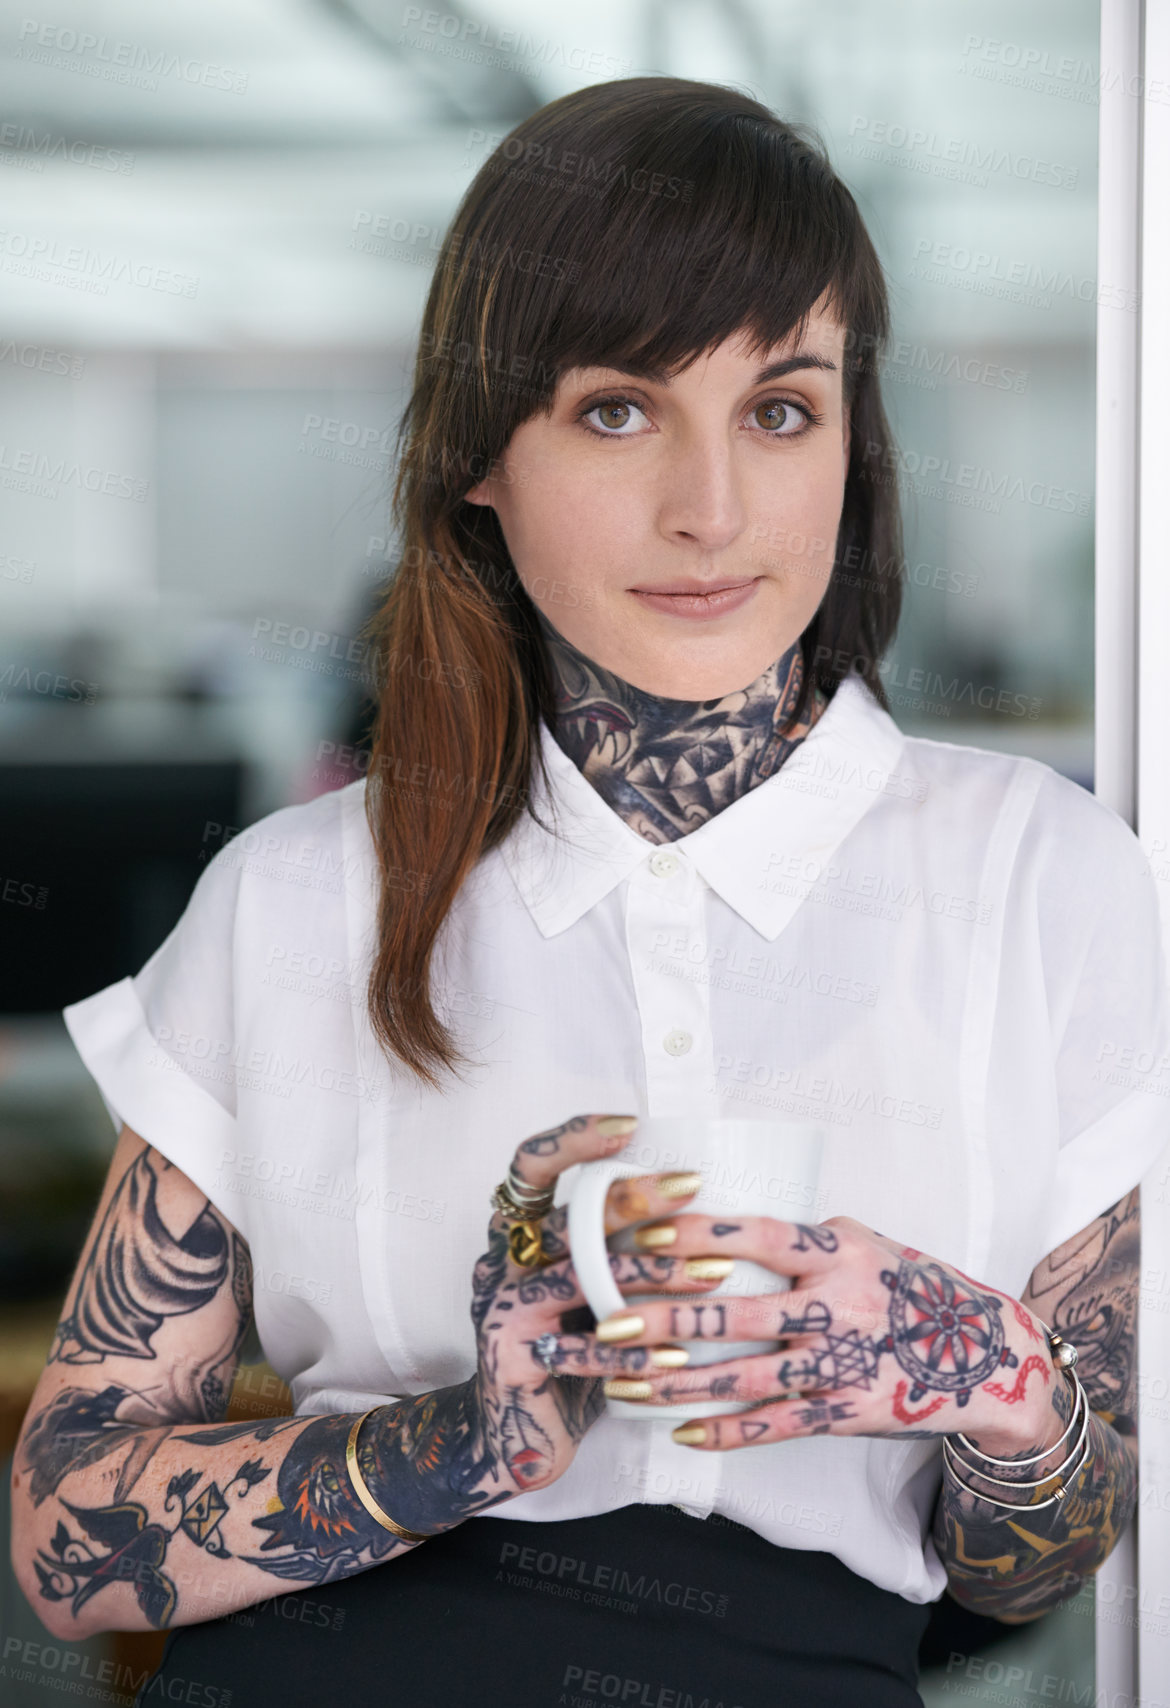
<point>709,1268</point>
<point>689,1434</point>
<point>677,1185</point>
<point>609,1125</point>
<point>621,1328</point>
<point>669,1357</point>
<point>655,1234</point>
<point>617,1389</point>
<point>629,1201</point>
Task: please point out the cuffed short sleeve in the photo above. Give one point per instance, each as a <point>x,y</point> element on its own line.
<point>1113,1057</point>
<point>161,1046</point>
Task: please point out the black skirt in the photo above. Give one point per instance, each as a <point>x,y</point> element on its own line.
<point>645,1607</point>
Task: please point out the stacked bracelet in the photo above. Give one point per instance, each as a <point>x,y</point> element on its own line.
<point>362,1491</point>
<point>1064,1357</point>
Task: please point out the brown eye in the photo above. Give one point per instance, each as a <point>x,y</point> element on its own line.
<point>610,418</point>
<point>770,416</point>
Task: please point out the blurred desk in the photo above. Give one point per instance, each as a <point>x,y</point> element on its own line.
<point>110,819</point>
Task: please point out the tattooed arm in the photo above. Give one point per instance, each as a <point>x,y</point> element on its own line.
<point>882,1339</point>
<point>1017,1567</point>
<point>135,1507</point>
<point>132,1506</point>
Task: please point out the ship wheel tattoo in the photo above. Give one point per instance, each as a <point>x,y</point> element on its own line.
<point>945,1333</point>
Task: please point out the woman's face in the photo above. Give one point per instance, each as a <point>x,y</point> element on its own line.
<point>718,478</point>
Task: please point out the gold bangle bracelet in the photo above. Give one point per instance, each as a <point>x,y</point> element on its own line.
<point>363,1493</point>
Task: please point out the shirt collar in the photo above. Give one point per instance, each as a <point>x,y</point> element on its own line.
<point>761,855</point>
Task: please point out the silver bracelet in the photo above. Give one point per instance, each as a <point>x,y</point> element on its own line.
<point>1064,1358</point>
<point>1017,1506</point>
<point>1065,1475</point>
<point>1080,1414</point>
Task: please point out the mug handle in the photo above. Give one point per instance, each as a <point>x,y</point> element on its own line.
<point>586,1217</point>
<point>586,1198</point>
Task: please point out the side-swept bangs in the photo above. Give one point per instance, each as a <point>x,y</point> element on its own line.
<point>635,225</point>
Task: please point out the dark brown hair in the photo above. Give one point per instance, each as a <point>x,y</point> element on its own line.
<point>643,221</point>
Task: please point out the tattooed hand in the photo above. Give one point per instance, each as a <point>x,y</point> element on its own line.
<point>876,1339</point>
<point>531,1419</point>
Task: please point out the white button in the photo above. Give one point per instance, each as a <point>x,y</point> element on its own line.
<point>663,864</point>
<point>678,1043</point>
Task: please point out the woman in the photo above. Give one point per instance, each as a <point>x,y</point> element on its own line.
<point>592,873</point>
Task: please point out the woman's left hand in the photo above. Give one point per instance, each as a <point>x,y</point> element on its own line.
<point>876,1339</point>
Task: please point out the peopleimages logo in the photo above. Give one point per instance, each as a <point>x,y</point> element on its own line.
<point>98,269</point>
<point>1000,275</point>
<point>22,145</point>
<point>598,1686</point>
<point>1068,78</point>
<point>613,1581</point>
<point>56,1666</point>
<point>968,160</point>
<point>974,478</point>
<point>105,57</point>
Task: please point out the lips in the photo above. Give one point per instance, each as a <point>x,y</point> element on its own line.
<point>700,600</point>
<point>693,589</point>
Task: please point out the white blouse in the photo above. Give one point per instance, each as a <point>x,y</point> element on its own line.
<point>948,957</point>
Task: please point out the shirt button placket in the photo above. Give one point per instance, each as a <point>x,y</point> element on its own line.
<point>666,940</point>
<point>666,934</point>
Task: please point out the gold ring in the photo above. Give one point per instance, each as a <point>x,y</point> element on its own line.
<point>525,1246</point>
<point>523,1224</point>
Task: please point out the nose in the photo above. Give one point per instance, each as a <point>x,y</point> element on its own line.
<point>701,497</point>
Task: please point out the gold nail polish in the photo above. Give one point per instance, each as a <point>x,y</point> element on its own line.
<point>617,1388</point>
<point>689,1434</point>
<point>628,1201</point>
<point>620,1328</point>
<point>611,1125</point>
<point>709,1268</point>
<point>669,1357</point>
<point>677,1185</point>
<point>655,1234</point>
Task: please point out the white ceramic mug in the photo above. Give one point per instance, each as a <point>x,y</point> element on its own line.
<point>749,1168</point>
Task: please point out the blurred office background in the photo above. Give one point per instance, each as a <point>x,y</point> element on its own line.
<point>219,223</point>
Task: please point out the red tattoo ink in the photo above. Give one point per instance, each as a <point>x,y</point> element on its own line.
<point>904,1416</point>
<point>1012,1396</point>
<point>1024,1318</point>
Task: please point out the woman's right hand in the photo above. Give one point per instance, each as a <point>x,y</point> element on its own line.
<point>531,1419</point>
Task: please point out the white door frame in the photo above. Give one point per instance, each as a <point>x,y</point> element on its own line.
<point>1132,724</point>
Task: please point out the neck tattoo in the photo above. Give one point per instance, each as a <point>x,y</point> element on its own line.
<point>667,766</point>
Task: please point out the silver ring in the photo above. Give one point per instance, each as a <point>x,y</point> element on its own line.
<point>538,1198</point>
<point>544,1349</point>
